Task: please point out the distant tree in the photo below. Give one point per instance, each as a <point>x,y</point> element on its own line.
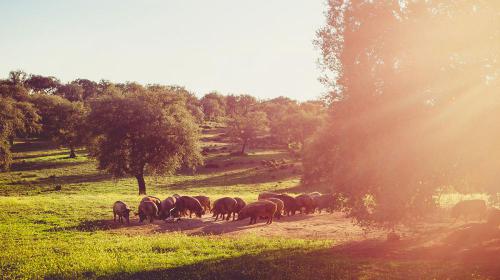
<point>15,117</point>
<point>143,131</point>
<point>278,111</point>
<point>90,88</point>
<point>291,123</point>
<point>247,127</point>
<point>15,91</point>
<point>43,84</point>
<point>62,121</point>
<point>302,123</point>
<point>71,91</point>
<point>191,102</point>
<point>17,77</point>
<point>239,104</point>
<point>213,105</point>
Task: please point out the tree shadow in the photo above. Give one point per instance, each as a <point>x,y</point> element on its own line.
<point>41,155</point>
<point>96,225</point>
<point>33,145</point>
<point>245,176</point>
<point>23,185</point>
<point>39,165</point>
<point>292,263</point>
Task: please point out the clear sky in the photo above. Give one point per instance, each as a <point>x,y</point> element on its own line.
<point>260,47</point>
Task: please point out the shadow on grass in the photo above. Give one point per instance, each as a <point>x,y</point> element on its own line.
<point>95,225</point>
<point>230,178</point>
<point>39,165</point>
<point>273,264</point>
<point>41,155</point>
<point>48,184</point>
<point>33,145</point>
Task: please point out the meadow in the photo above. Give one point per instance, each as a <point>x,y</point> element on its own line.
<point>69,233</point>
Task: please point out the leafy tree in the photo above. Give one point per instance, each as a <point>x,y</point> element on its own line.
<point>17,77</point>
<point>414,104</point>
<point>43,84</point>
<point>291,123</point>
<point>15,117</point>
<point>213,105</point>
<point>143,131</point>
<point>62,121</point>
<point>189,99</point>
<point>246,128</point>
<point>90,88</point>
<point>73,92</point>
<point>240,104</point>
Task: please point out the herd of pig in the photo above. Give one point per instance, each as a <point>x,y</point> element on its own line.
<point>268,206</point>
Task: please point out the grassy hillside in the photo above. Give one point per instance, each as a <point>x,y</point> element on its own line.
<point>66,234</point>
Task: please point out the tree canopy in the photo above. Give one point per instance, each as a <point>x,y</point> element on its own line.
<point>145,131</point>
<point>414,103</point>
<point>62,121</point>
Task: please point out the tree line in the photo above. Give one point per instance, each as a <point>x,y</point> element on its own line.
<point>133,129</point>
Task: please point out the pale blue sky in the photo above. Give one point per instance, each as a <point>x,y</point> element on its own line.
<point>259,47</point>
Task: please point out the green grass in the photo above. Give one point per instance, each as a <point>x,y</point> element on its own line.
<point>59,234</point>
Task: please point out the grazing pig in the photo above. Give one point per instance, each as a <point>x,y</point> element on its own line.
<point>468,208</point>
<point>494,217</point>
<point>166,205</point>
<point>188,203</point>
<point>265,195</point>
<point>261,208</point>
<point>289,204</point>
<point>121,210</point>
<point>240,203</point>
<point>153,199</point>
<point>327,202</point>
<point>223,206</point>
<point>279,206</point>
<point>204,201</point>
<point>147,209</point>
<point>305,201</point>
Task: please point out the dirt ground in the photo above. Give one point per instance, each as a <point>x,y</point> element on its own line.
<point>317,226</point>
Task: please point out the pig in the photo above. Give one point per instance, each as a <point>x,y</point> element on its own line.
<point>261,208</point>
<point>166,205</point>
<point>223,206</point>
<point>121,210</point>
<point>188,203</point>
<point>240,203</point>
<point>289,204</point>
<point>204,201</point>
<point>147,209</point>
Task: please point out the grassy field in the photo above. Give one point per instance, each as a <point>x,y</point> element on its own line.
<point>64,234</point>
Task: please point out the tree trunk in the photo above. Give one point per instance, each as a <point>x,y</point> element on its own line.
<point>142,184</point>
<point>11,140</point>
<point>72,153</point>
<point>244,146</point>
